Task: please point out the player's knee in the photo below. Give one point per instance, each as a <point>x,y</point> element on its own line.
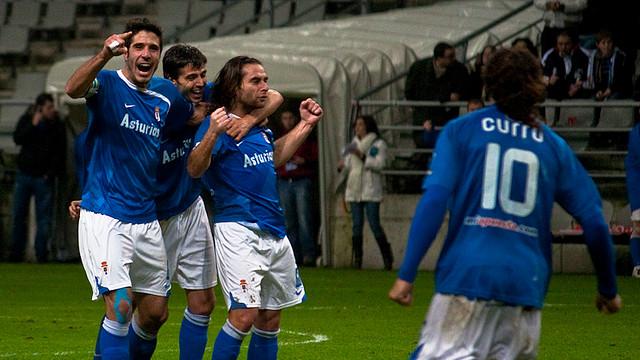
<point>268,320</point>
<point>202,305</point>
<point>243,319</point>
<point>122,306</point>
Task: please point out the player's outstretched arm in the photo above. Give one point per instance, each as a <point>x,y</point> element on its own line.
<point>81,79</point>
<point>200,157</point>
<point>240,127</point>
<point>310,114</point>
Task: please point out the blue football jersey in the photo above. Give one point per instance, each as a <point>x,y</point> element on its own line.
<point>632,167</point>
<point>242,179</point>
<point>123,142</point>
<point>504,177</point>
<point>177,190</point>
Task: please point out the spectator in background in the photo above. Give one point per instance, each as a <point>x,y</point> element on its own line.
<point>441,78</point>
<point>559,16</point>
<point>42,137</point>
<point>476,87</point>
<point>565,69</point>
<point>364,158</point>
<point>524,43</point>
<point>608,72</point>
<point>430,134</point>
<point>295,184</point>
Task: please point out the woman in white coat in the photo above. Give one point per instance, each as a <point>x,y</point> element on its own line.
<point>364,158</point>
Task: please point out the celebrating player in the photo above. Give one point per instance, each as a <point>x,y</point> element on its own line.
<point>181,211</point>
<point>120,240</point>
<point>500,170</point>
<point>256,265</point>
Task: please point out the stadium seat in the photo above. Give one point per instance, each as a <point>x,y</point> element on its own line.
<point>197,11</point>
<point>13,39</point>
<point>172,15</point>
<point>9,116</point>
<point>59,15</point>
<point>309,11</point>
<point>237,16</point>
<point>575,117</point>
<point>616,117</point>
<point>25,13</point>
<point>281,14</point>
<point>29,85</point>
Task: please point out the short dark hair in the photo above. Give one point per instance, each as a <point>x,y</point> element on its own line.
<point>604,34</point>
<point>440,48</point>
<point>136,25</point>
<point>42,98</point>
<point>180,55</point>
<point>369,123</point>
<point>528,43</point>
<point>229,80</point>
<point>513,78</point>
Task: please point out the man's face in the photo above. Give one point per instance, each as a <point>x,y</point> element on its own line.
<point>448,58</point>
<point>253,92</point>
<point>48,110</point>
<point>142,58</point>
<point>605,46</point>
<point>564,45</point>
<point>191,82</point>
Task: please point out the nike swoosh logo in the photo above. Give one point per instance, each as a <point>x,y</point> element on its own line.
<point>128,106</point>
<point>298,291</point>
<point>240,142</point>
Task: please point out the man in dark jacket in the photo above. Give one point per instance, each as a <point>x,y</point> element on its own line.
<point>41,135</point>
<point>441,78</point>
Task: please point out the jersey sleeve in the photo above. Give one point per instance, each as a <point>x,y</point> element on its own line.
<point>446,161</point>
<point>632,167</point>
<point>576,191</point>
<point>94,89</point>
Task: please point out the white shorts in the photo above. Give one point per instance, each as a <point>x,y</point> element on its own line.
<point>635,215</point>
<point>459,328</point>
<point>256,269</point>
<point>118,255</point>
<point>189,244</point>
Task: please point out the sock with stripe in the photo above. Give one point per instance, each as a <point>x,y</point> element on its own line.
<point>113,340</point>
<point>263,345</point>
<point>193,335</point>
<point>227,345</point>
<point>141,343</point>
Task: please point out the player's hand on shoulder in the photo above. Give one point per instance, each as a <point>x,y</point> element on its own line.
<point>238,128</point>
<point>402,292</point>
<point>608,306</point>
<point>310,111</point>
<point>114,44</point>
<point>74,209</point>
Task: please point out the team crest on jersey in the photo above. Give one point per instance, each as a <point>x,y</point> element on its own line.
<point>157,114</point>
<point>105,267</point>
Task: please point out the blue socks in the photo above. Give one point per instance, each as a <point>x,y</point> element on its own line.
<point>141,343</point>
<point>634,248</point>
<point>193,335</point>
<point>112,340</point>
<point>263,345</point>
<point>227,345</point>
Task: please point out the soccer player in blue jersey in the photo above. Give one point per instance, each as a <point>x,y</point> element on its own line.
<point>498,170</point>
<point>120,239</point>
<point>256,265</point>
<point>185,225</point>
<point>632,166</point>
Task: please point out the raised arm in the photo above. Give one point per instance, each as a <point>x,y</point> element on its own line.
<point>310,113</point>
<point>200,157</point>
<point>240,127</point>
<point>81,79</point>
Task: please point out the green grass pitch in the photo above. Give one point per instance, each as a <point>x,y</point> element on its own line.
<point>46,313</point>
